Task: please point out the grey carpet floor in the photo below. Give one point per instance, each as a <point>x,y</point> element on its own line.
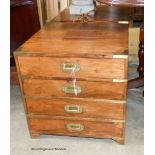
<point>21,144</point>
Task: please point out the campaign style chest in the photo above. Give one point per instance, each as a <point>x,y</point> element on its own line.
<point>73,79</point>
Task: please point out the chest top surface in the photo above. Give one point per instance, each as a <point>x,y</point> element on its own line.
<point>76,39</point>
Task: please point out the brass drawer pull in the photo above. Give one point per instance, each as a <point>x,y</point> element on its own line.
<point>71,89</point>
<point>73,109</point>
<point>75,127</point>
<point>70,67</point>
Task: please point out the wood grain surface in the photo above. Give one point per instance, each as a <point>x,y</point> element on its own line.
<point>53,88</point>
<point>75,39</point>
<point>97,107</point>
<point>89,68</point>
<point>105,109</point>
<point>91,128</point>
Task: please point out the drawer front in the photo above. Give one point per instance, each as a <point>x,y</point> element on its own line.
<point>63,67</point>
<point>76,127</point>
<point>83,89</point>
<point>78,108</point>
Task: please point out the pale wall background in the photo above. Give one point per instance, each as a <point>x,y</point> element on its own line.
<point>48,9</point>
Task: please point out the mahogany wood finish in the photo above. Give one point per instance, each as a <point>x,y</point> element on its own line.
<point>99,108</point>
<point>24,22</point>
<point>141,55</point>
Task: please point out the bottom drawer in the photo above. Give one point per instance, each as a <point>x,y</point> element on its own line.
<point>81,128</point>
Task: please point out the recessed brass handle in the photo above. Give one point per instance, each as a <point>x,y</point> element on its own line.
<point>70,67</point>
<point>73,109</point>
<point>74,127</point>
<point>71,89</point>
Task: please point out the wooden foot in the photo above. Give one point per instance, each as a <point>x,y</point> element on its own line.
<point>121,141</point>
<point>34,135</point>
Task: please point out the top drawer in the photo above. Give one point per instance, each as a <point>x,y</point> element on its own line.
<point>64,67</point>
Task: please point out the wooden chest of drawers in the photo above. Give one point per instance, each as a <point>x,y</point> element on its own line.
<point>73,79</point>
